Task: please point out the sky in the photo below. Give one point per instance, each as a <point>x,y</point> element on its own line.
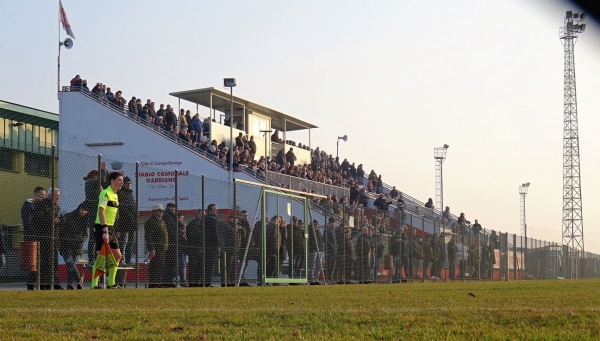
<point>398,77</point>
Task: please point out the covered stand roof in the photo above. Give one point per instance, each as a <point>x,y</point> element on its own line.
<point>221,101</point>
<point>29,115</point>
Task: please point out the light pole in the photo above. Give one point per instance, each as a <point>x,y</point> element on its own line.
<point>337,151</point>
<point>439,154</point>
<point>267,142</point>
<point>523,189</point>
<point>230,83</point>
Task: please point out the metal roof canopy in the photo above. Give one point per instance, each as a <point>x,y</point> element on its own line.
<point>221,101</point>
<point>29,115</point>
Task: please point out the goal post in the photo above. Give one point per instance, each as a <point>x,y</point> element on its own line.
<point>279,231</point>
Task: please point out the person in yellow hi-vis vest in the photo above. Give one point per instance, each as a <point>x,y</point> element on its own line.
<point>104,231</point>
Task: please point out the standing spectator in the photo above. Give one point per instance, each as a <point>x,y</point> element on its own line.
<point>296,233</point>
<point>394,193</point>
<point>96,90</point>
<point>330,250</point>
<point>290,157</point>
<point>110,97</point>
<point>212,243</point>
<point>170,120</point>
<point>45,221</point>
<point>29,234</point>
<point>229,248</point>
<point>76,83</point>
<point>428,259</point>
<point>452,253</point>
<point>170,218</point>
<point>417,245</point>
<point>93,185</point>
<point>118,100</point>
<point>188,117</point>
<point>132,106</point>
<point>84,86</point>
<point>473,260</point>
<point>275,137</point>
<point>440,255</point>
<point>196,126</point>
<point>72,234</point>
<point>396,252</point>
<point>246,245</point>
<point>315,246</point>
<point>183,123</point>
<point>127,221</point>
<point>446,217</point>
<point>161,112</point>
<point>206,127</point>
<point>379,187</point>
<point>151,110</point>
<point>429,204</point>
<point>252,147</point>
<point>195,249</point>
<point>157,243</point>
<point>364,255</point>
<point>349,256</point>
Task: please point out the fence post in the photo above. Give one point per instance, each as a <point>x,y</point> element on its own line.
<point>515,256</point>
<point>137,228</point>
<point>177,279</point>
<point>53,253</point>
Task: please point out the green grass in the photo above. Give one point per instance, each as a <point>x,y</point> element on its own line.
<point>548,310</point>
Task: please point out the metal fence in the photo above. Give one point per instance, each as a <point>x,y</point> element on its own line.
<point>175,229</point>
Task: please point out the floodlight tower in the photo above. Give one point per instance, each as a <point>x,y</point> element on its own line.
<point>572,232</point>
<point>439,154</point>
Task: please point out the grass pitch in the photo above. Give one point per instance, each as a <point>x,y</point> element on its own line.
<point>556,310</point>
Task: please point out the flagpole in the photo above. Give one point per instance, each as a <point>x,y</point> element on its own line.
<point>58,60</point>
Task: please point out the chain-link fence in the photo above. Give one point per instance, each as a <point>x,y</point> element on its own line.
<point>177,229</point>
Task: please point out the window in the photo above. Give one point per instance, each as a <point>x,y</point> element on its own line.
<point>7,157</point>
<point>36,164</point>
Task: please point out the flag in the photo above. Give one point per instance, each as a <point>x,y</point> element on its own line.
<point>62,17</point>
<point>104,261</point>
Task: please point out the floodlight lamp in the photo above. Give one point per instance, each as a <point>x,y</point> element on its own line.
<point>582,27</point>
<point>527,184</point>
<point>229,82</point>
<point>569,14</point>
<point>344,138</point>
<point>582,17</point>
<point>446,146</point>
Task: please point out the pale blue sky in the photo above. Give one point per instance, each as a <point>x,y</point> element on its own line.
<point>398,77</point>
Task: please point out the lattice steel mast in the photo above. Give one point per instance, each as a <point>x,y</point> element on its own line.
<point>572,233</point>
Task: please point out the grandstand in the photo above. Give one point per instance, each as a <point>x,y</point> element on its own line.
<point>166,166</point>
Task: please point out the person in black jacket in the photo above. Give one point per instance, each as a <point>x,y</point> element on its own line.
<point>39,193</point>
<point>170,218</point>
<point>315,247</point>
<point>212,243</point>
<point>72,234</point>
<point>127,221</point>
<point>330,249</point>
<point>45,220</point>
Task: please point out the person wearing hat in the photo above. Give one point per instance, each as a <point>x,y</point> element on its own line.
<point>157,243</point>
<point>127,222</point>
